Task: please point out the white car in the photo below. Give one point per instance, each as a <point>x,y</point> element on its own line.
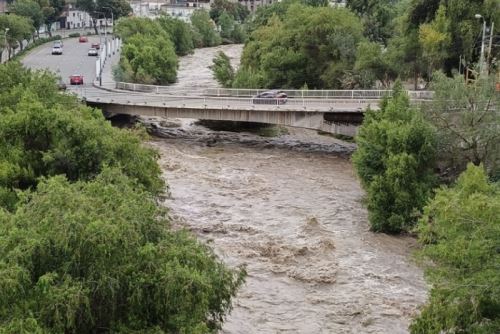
<point>57,50</point>
<point>92,52</point>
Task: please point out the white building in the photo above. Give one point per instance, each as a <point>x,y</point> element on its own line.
<point>73,18</point>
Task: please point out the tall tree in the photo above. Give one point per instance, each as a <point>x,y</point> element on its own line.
<point>204,28</point>
<point>101,9</point>
<point>394,161</point>
<point>467,116</point>
<point>460,235</point>
<point>30,9</point>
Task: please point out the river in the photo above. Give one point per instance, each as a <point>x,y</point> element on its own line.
<point>289,209</point>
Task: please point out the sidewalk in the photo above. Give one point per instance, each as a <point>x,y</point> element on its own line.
<point>108,81</point>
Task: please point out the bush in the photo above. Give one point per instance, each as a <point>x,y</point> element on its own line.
<point>74,34</point>
<point>84,256</point>
<point>460,234</point>
<point>394,161</point>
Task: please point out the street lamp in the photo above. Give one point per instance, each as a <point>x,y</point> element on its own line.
<point>6,31</point>
<point>112,24</point>
<point>481,57</point>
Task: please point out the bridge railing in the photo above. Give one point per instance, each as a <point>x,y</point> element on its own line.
<point>293,93</point>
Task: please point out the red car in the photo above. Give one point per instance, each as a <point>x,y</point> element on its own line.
<point>96,46</point>
<point>83,39</point>
<point>76,79</point>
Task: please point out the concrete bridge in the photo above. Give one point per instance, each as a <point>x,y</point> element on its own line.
<point>336,112</point>
<point>333,111</point>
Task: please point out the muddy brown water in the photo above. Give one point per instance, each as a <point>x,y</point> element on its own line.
<point>290,209</point>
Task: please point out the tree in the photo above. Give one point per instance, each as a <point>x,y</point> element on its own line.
<point>394,161</point>
<point>313,45</point>
<point>205,28</point>
<point>222,69</point>
<point>45,133</point>
<point>20,29</point>
<point>180,33</point>
<point>130,26</point>
<point>377,17</point>
<point>460,234</point>
<point>467,117</point>
<point>435,39</point>
<point>30,9</point>
<point>151,59</point>
<point>372,58</point>
<point>86,256</point>
<point>236,10</point>
<point>226,25</point>
<point>101,8</point>
<point>52,10</point>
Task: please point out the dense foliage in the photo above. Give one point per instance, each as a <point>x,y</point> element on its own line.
<point>84,248</point>
<point>44,133</point>
<point>20,29</point>
<point>205,33</point>
<point>309,45</point>
<point>99,9</point>
<point>467,116</point>
<point>151,46</point>
<point>91,255</point>
<point>222,69</point>
<point>394,161</point>
<point>460,233</point>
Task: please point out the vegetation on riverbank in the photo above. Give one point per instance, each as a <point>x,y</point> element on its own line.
<point>84,244</point>
<point>403,153</point>
<point>293,43</point>
<point>151,47</point>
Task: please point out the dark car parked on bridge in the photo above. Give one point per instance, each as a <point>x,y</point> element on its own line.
<point>270,97</point>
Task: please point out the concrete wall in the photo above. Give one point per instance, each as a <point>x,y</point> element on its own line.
<point>310,120</point>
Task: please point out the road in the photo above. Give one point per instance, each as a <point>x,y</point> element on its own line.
<point>74,59</point>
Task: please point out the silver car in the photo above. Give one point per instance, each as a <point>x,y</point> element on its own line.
<point>57,50</point>
<point>93,52</point>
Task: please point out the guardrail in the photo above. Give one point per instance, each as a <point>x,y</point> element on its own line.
<point>293,93</point>
<point>226,103</point>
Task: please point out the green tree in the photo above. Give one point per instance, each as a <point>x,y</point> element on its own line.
<point>151,59</point>
<point>370,57</point>
<point>377,17</point>
<point>52,10</point>
<point>205,28</point>
<point>222,69</point>
<point>30,9</point>
<point>45,133</point>
<point>100,8</point>
<point>435,39</point>
<point>226,25</point>
<point>180,33</point>
<point>467,117</point>
<point>313,45</point>
<point>236,10</point>
<point>129,26</point>
<point>20,29</point>
<point>460,235</point>
<point>87,256</point>
<point>394,161</point>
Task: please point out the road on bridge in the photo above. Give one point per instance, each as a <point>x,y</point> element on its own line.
<point>75,60</point>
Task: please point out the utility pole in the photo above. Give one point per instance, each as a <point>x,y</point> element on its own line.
<point>491,42</point>
<point>481,66</point>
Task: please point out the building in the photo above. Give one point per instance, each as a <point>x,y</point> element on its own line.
<point>73,18</point>
<point>252,5</point>
<point>3,6</point>
<point>182,9</point>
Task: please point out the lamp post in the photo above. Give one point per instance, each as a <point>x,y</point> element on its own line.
<point>6,45</point>
<point>112,25</point>
<point>481,57</point>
